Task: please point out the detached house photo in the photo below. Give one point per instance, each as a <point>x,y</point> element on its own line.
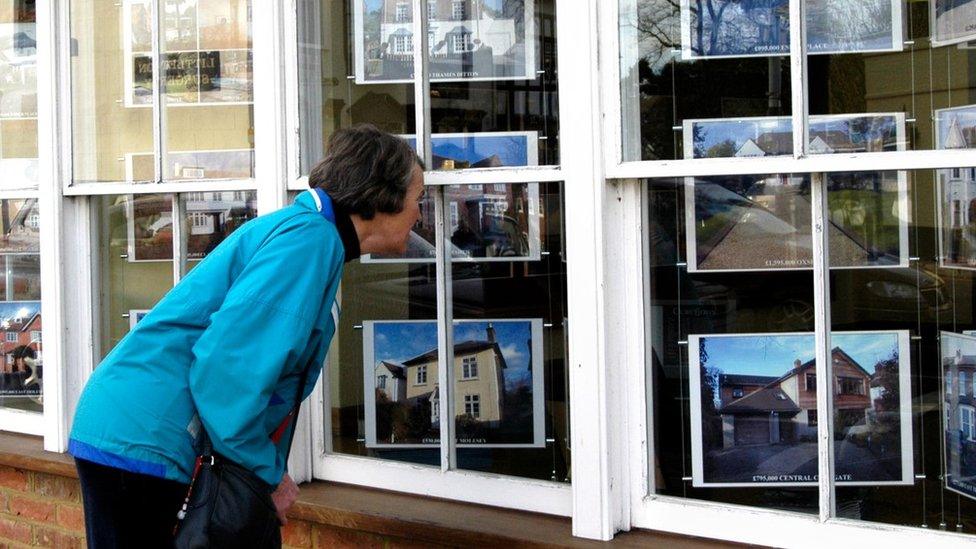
<point>493,380</point>
<point>759,428</point>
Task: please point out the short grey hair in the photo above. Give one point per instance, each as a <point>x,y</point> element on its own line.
<point>366,171</point>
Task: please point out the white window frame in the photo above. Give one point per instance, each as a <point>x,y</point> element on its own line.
<point>47,424</point>
<point>65,208</point>
<point>611,488</point>
<point>701,518</point>
<point>162,182</point>
<point>447,481</point>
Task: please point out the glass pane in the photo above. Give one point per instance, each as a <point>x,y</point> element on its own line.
<point>134,260</point>
<point>210,217</point>
<point>389,311</point>
<point>21,369</point>
<point>731,323</point>
<point>208,88</point>
<point>509,290</point>
<point>18,94</point>
<point>904,354</point>
<point>111,91</point>
<point>675,55</point>
<point>209,85</point>
<point>907,60</point>
<point>493,96</point>
<point>338,45</point>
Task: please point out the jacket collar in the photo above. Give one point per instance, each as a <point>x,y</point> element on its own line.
<point>317,200</point>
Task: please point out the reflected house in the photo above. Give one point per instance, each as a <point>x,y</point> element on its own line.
<point>960,416</point>
<point>390,379</point>
<point>459,30</point>
<point>479,380</point>
<point>785,409</point>
<point>822,141</point>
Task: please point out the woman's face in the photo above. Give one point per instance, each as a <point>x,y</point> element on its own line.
<point>396,227</point>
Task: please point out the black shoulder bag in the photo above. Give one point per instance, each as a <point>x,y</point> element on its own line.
<point>228,505</point>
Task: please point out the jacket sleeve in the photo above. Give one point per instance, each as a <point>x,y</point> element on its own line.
<point>257,335</point>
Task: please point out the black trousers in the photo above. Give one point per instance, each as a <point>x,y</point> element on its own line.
<point>124,509</point>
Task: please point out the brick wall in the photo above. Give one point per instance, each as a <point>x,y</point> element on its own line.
<point>44,510</point>
<point>40,510</point>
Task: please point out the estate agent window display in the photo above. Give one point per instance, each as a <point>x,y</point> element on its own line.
<point>731,282</point>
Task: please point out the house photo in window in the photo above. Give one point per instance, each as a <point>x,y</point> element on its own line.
<point>768,436</point>
<point>490,40</point>
<point>498,384</point>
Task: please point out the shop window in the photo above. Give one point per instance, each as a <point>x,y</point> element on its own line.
<point>207,83</point>
<point>137,252</point>
<point>21,378</point>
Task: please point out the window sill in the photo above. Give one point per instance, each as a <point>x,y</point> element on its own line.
<point>392,516</point>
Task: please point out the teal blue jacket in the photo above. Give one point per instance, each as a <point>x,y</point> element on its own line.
<point>225,349</point>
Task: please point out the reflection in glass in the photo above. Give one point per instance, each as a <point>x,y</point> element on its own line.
<point>763,222</point>
<point>18,94</point>
<point>210,217</point>
<point>510,389</point>
<point>21,369</point>
<point>388,317</point>
<point>133,259</point>
<point>730,350</point>
<point>21,358</point>
<point>207,75</point>
<point>493,222</point>
<point>495,77</point>
<point>469,40</point>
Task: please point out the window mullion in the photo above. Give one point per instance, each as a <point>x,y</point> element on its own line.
<point>159,118</point>
<point>179,240</point>
<point>445,331</point>
<point>798,76</point>
<point>421,82</point>
<point>824,362</point>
